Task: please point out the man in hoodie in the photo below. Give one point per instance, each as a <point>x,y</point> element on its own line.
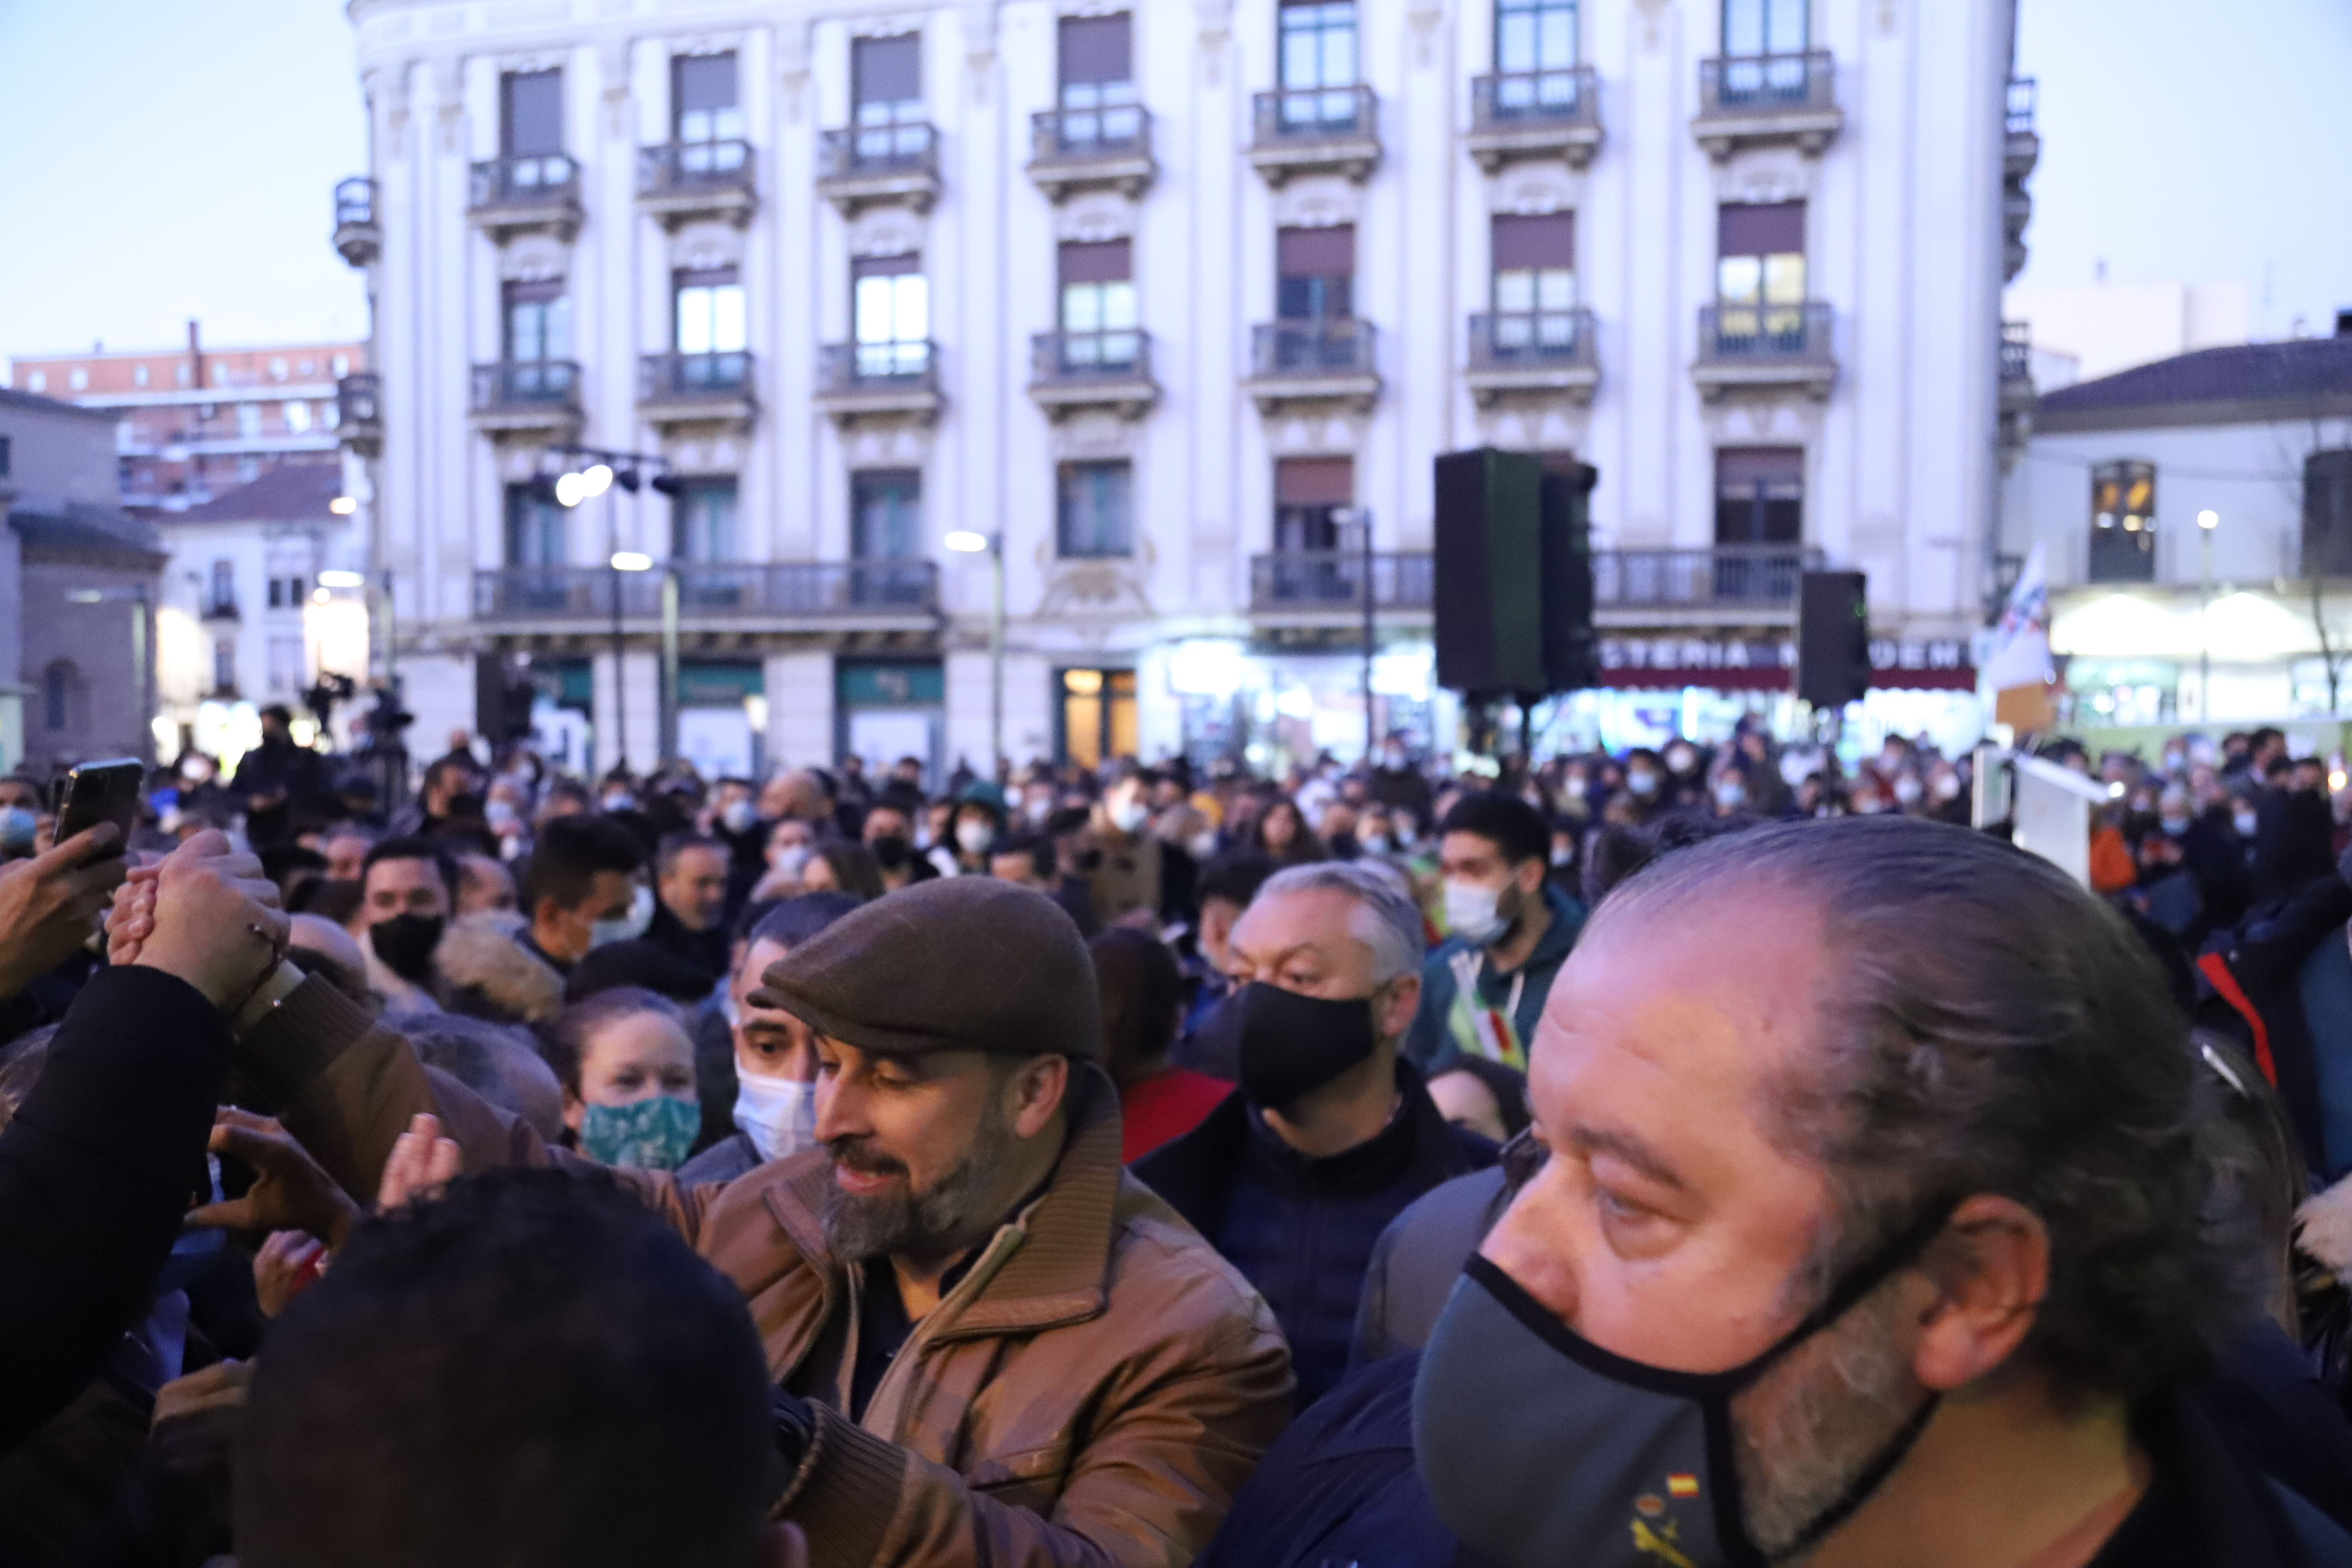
<point>1484,988</point>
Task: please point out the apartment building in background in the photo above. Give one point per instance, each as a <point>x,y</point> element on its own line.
<point>1167,308</point>
<point>197,422</point>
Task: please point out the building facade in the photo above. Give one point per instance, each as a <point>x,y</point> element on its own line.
<point>78,589</point>
<point>195,423</point>
<point>1166,308</point>
<point>2195,517</point>
<point>262,596</point>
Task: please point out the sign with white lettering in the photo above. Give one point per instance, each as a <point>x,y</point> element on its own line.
<point>1753,664</point>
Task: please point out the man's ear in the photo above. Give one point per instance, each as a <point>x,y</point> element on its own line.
<point>1529,875</point>
<point>1038,1089</point>
<point>1395,1015</point>
<point>1990,1268</point>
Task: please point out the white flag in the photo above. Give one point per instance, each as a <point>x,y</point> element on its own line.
<point>2020,643</point>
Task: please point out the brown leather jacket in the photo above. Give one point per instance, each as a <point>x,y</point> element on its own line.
<point>1094,1392</point>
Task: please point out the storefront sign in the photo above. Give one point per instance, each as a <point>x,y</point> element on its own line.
<point>1753,664</point>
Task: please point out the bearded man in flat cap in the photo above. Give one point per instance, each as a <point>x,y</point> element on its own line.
<point>990,1345</point>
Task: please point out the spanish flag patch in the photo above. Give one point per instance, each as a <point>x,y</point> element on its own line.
<point>1682,1486</point>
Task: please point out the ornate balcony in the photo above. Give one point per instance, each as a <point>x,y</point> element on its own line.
<point>1535,114</point>
<point>528,397</point>
<point>2022,146</point>
<point>358,412</point>
<point>714,596</point>
<point>869,165</point>
<point>1085,148</point>
<point>1316,130</point>
<point>359,237</point>
<point>1329,584</point>
<point>676,389</point>
<point>539,194</point>
<point>1737,577</point>
<point>1532,353</point>
<point>886,381</point>
<point>1322,359</point>
<point>1112,369</point>
<point>1759,101</point>
<point>1765,349</point>
<point>681,182</point>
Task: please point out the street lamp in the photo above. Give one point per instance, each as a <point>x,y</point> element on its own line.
<point>964,542</point>
<point>2207,521</point>
<point>590,472</point>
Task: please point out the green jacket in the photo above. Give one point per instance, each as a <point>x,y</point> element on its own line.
<point>1445,1027</point>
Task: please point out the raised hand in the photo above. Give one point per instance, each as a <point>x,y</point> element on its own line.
<point>286,1265</point>
<point>291,1192</point>
<point>216,922</point>
<point>421,1164</point>
<point>49,904</point>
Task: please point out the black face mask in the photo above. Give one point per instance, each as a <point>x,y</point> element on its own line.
<point>405,943</point>
<point>1292,1045</point>
<point>889,851</point>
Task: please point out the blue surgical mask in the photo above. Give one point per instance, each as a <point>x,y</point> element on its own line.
<point>650,1134</point>
<point>18,827</point>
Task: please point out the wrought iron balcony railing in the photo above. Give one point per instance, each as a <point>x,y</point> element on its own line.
<point>1743,85</point>
<point>1068,358</point>
<point>675,377</point>
<point>2017,352</point>
<point>1318,581</point>
<point>1313,346</point>
<point>548,179</point>
<point>1514,100</point>
<point>706,590</point>
<point>685,168</point>
<point>1530,340</point>
<point>2024,97</point>
<point>866,151</point>
<point>1728,576</point>
<point>1113,131</point>
<point>526,384</point>
<point>1291,115</point>
<point>878,367</point>
<point>359,399</point>
<point>1764,334</point>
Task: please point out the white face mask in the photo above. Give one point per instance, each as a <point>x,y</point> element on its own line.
<point>790,860</point>
<point>1906,790</point>
<point>619,800</point>
<point>974,837</point>
<point>739,815</point>
<point>1373,843</point>
<point>1474,913</point>
<point>630,926</point>
<point>1038,807</point>
<point>1128,816</point>
<point>2245,822</point>
<point>499,814</point>
<point>1731,794</point>
<point>777,1114</point>
<point>1201,846</point>
<point>1642,781</point>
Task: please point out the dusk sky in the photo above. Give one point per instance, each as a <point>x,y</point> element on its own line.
<point>175,160</point>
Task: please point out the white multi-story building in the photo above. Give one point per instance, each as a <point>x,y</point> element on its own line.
<point>1169,303</point>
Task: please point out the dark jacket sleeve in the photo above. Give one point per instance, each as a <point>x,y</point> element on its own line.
<point>96,1171</point>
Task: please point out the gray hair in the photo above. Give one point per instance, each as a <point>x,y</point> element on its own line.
<point>1386,919</point>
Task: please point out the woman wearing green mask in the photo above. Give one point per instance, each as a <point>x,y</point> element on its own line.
<point>628,1068</point>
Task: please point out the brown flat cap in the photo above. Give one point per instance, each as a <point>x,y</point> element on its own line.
<point>957,963</point>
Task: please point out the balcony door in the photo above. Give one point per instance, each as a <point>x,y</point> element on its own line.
<point>534,528</point>
<point>706,116</point>
<point>707,319</point>
<point>1760,276</point>
<point>531,113</point>
<point>1097,72</point>
<point>1534,55</point>
<point>702,522</point>
<point>1534,289</point>
<point>1315,273</point>
<point>885,535</point>
<point>1759,495</point>
<point>1318,52</point>
<point>890,307</point>
<point>538,341</point>
<point>886,78</point>
<point>1766,26</point>
<point>1309,496</point>
<point>1098,304</point>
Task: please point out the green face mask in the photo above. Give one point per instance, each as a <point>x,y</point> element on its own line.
<point>652,1134</point>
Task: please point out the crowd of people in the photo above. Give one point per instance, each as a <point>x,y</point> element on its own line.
<point>1701,1154</point>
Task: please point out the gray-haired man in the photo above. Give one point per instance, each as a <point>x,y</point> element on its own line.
<point>1330,1133</point>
